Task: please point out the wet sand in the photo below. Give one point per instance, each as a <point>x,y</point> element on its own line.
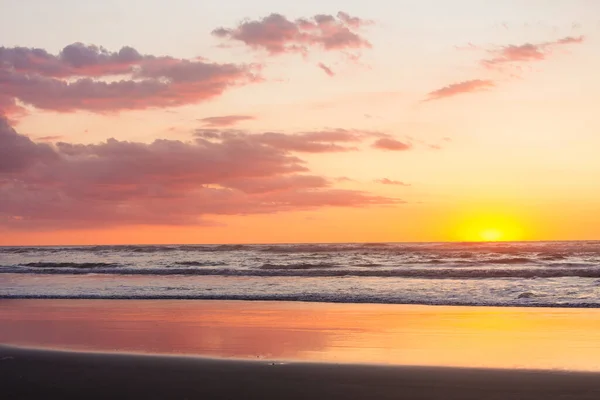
<point>471,337</point>
<point>168,349</point>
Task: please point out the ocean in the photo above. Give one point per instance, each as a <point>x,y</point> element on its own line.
<point>543,274</point>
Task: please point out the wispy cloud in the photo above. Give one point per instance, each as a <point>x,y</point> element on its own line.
<point>225,121</point>
<point>326,69</point>
<point>386,181</point>
<point>325,141</point>
<point>501,58</point>
<point>460,88</point>
<point>391,145</point>
<point>527,52</point>
<point>49,138</point>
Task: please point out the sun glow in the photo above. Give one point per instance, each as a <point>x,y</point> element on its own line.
<point>491,235</point>
<point>489,228</point>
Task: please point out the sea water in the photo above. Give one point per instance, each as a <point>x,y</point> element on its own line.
<point>552,274</point>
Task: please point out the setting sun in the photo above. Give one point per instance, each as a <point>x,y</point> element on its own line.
<point>489,227</point>
<point>491,235</point>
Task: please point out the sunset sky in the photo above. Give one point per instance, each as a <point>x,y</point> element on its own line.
<point>189,121</point>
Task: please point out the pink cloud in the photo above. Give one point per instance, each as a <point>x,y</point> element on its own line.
<point>570,40</point>
<point>391,145</point>
<point>326,69</point>
<point>527,52</point>
<point>460,88</point>
<point>503,57</point>
<point>353,22</point>
<point>44,186</point>
<point>276,34</point>
<point>18,152</point>
<point>386,181</point>
<point>72,80</point>
<point>49,138</point>
<point>279,183</point>
<point>225,121</point>
<point>76,59</point>
<point>327,141</point>
<point>10,109</point>
<point>344,179</point>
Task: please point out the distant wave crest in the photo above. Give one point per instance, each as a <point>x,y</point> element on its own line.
<point>310,270</point>
<point>58,265</point>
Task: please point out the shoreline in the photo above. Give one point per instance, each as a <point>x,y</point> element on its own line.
<point>36,374</point>
<point>282,299</point>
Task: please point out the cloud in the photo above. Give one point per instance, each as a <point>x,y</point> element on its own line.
<point>326,69</point>
<point>570,40</point>
<point>527,52</point>
<point>326,141</point>
<point>166,182</point>
<point>225,121</point>
<point>276,34</point>
<point>76,59</point>
<point>386,181</point>
<point>279,183</point>
<point>391,144</point>
<point>18,152</point>
<point>76,79</point>
<point>460,88</point>
<point>10,109</point>
<point>503,57</point>
<point>49,138</point>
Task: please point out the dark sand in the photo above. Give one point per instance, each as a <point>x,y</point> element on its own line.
<point>42,374</point>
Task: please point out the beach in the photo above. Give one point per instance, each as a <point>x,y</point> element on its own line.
<point>239,349</point>
<point>38,374</point>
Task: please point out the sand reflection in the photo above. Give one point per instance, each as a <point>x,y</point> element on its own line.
<point>408,335</point>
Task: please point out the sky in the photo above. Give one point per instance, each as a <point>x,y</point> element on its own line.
<point>274,122</point>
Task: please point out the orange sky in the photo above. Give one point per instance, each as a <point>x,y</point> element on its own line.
<point>299,123</point>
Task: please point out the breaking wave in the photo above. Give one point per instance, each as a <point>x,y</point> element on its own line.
<point>547,250</point>
<point>310,270</point>
<point>53,265</point>
<point>322,298</point>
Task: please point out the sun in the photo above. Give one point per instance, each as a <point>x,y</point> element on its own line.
<point>488,227</point>
<point>491,235</point>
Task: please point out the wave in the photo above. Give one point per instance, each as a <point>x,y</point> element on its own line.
<point>469,261</point>
<point>201,263</point>
<point>54,265</point>
<point>553,256</point>
<point>124,249</point>
<point>313,270</point>
<point>548,250</point>
<point>321,298</point>
<point>514,260</point>
<point>297,266</point>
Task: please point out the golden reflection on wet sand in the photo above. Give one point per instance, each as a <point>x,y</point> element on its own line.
<point>355,333</point>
